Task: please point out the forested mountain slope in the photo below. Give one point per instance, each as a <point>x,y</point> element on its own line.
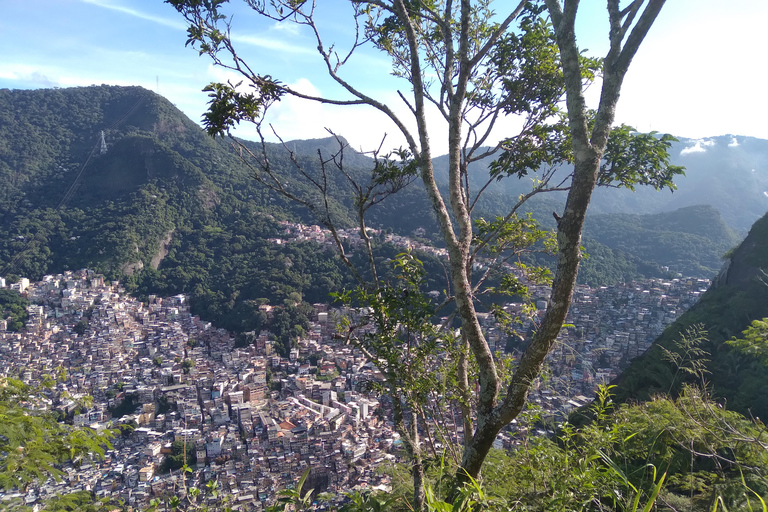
<point>167,209</point>
<point>690,241</point>
<point>738,296</point>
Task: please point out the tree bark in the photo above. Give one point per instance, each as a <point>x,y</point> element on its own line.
<point>588,149</point>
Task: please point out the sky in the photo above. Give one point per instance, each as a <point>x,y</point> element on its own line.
<point>699,73</point>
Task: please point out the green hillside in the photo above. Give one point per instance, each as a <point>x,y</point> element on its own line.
<point>165,209</point>
<point>738,296</point>
<point>689,241</point>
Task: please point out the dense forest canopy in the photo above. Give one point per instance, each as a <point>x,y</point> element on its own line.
<point>13,309</point>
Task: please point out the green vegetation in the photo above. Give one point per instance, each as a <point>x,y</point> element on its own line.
<point>688,453</point>
<point>13,308</point>
<point>738,297</point>
<point>689,241</point>
<point>704,452</point>
<point>624,247</point>
<point>178,458</point>
<point>127,406</point>
<point>166,210</point>
<point>187,365</point>
<point>79,501</point>
<point>33,443</point>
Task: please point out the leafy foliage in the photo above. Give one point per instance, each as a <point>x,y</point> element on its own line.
<point>754,342</point>
<point>179,457</point>
<point>633,159</point>
<point>737,298</point>
<point>32,440</point>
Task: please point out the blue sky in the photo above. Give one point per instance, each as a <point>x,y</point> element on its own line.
<point>700,73</point>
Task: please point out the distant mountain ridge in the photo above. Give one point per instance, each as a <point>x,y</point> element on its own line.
<point>729,173</point>
<point>690,241</point>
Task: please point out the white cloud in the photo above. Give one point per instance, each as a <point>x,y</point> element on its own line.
<point>292,118</point>
<point>733,143</point>
<point>115,6</point>
<point>297,119</point>
<point>700,147</point>
<point>696,148</point>
<point>25,73</point>
<point>53,76</point>
<point>223,75</point>
<point>286,27</point>
<point>681,47</point>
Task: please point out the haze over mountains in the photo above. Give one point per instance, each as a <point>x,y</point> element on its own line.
<point>171,210</point>
<point>729,173</point>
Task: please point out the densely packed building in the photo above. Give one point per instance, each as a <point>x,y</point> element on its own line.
<point>255,421</point>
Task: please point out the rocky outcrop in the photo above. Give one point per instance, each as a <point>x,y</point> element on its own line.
<point>162,252</point>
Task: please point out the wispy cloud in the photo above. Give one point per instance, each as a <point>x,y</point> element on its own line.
<point>30,76</point>
<point>286,27</point>
<point>115,6</point>
<point>23,76</point>
<point>273,44</point>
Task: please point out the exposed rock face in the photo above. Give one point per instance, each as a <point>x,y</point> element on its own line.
<point>131,268</point>
<point>162,252</point>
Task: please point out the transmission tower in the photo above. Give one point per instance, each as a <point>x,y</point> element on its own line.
<point>103,148</point>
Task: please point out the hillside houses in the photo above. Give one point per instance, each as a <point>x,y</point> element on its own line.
<point>253,420</point>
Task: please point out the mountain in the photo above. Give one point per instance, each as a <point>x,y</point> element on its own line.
<point>737,297</point>
<point>162,207</point>
<point>690,241</point>
<point>166,209</point>
<point>118,180</point>
<point>729,173</point>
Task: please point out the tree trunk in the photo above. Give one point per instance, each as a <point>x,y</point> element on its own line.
<point>410,436</point>
<point>588,149</point>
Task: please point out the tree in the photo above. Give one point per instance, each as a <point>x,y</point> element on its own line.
<point>472,65</point>
<point>187,365</point>
<point>33,442</point>
<point>182,453</point>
